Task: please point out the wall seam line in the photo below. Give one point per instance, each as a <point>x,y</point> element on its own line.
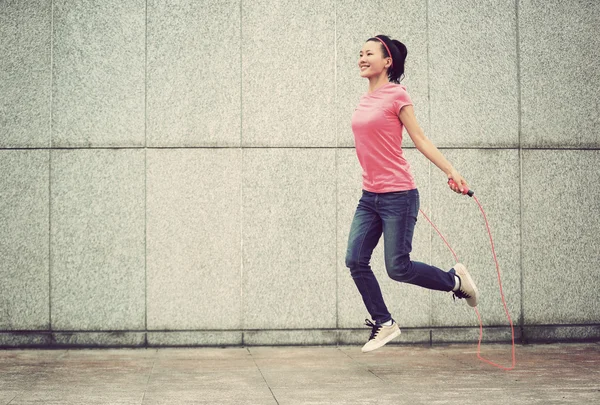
<point>547,148</point>
<point>242,168</point>
<point>430,192</point>
<point>520,153</point>
<point>335,95</point>
<point>50,167</point>
<point>146,171</point>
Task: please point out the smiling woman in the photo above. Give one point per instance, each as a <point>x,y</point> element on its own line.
<point>377,51</point>
<point>390,201</point>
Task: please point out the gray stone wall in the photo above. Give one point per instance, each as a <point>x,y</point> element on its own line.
<point>183,172</point>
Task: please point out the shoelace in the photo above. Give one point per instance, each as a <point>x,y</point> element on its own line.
<point>460,293</point>
<point>375,328</point>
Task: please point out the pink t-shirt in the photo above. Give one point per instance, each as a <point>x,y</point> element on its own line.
<point>378,139</point>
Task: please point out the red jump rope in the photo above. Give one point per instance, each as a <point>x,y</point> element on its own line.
<point>470,193</point>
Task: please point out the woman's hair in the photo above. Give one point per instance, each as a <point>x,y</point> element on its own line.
<point>399,52</point>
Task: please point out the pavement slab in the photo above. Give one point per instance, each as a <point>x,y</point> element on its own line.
<point>544,374</point>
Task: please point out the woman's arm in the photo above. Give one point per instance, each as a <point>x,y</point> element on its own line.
<point>427,148</point>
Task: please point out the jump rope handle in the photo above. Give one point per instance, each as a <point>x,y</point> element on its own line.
<point>465,190</point>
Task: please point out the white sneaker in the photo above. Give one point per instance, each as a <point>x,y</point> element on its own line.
<point>380,335</point>
<point>467,288</point>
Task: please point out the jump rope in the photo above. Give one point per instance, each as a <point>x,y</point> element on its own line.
<point>470,193</point>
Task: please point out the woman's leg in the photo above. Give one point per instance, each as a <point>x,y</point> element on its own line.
<point>399,212</point>
<point>364,236</point>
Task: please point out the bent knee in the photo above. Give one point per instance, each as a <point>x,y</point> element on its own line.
<point>351,262</point>
<point>357,266</point>
<point>400,269</point>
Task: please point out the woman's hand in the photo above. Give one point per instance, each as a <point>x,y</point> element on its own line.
<point>461,183</point>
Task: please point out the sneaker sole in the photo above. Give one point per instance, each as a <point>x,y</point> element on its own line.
<point>383,342</point>
<point>461,270</point>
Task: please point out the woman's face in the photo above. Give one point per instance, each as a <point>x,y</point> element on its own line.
<point>371,61</point>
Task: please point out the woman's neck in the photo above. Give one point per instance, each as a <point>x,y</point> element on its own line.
<point>377,82</point>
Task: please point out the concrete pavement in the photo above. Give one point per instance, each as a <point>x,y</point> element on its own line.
<point>545,374</point>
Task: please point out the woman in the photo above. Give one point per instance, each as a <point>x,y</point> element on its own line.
<point>390,199</point>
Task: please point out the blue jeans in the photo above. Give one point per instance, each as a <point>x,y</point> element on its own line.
<point>395,215</point>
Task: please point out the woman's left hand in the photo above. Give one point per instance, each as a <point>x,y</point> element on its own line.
<point>461,183</point>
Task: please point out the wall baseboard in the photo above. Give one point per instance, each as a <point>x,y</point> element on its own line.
<point>292,337</point>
